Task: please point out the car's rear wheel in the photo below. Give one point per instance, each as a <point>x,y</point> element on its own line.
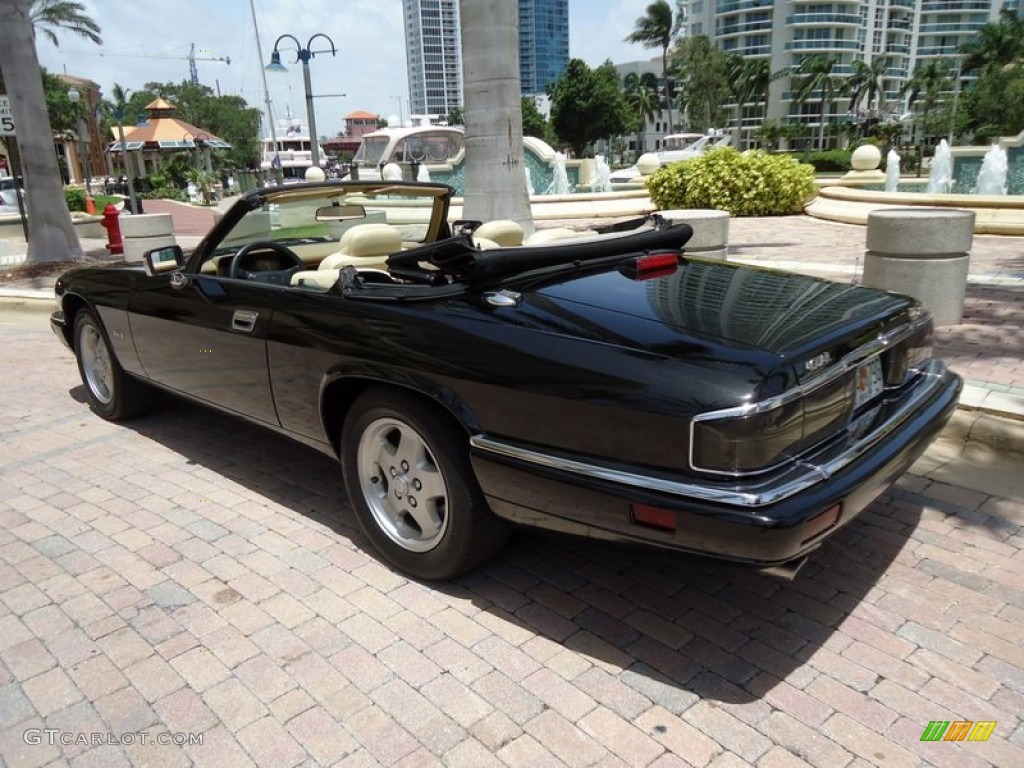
<point>111,393</point>
<point>407,471</point>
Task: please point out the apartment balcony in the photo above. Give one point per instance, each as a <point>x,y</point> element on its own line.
<point>955,6</point>
<point>831,19</point>
<point>823,45</point>
<point>939,50</point>
<point>963,28</point>
<point>744,27</point>
<point>902,4</point>
<point>742,5</point>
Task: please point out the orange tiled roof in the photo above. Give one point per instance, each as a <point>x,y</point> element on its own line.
<point>361,114</point>
<point>166,129</point>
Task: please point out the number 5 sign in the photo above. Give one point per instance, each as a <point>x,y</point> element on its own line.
<point>6,118</point>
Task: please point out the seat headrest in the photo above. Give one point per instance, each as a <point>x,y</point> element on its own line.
<point>371,240</point>
<point>504,232</point>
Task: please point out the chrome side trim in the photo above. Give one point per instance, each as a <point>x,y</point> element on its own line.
<point>799,478</point>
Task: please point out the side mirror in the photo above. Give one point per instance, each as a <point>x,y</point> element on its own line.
<point>165,259</point>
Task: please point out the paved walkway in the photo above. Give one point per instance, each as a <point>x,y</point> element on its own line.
<point>189,578</point>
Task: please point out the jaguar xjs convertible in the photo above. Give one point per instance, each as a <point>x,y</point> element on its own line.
<point>469,379</point>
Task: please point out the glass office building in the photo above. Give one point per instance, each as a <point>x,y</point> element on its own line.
<point>543,43</point>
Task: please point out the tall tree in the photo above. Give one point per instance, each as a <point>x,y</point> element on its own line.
<point>997,45</point>
<point>864,85</point>
<point>588,104</point>
<point>495,174</point>
<point>748,81</point>
<point>51,234</point>
<point>643,103</point>
<point>655,29</point>
<point>814,76</point>
<point>703,82</point>
<point>930,80</point>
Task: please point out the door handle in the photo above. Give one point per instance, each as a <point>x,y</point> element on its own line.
<point>244,320</point>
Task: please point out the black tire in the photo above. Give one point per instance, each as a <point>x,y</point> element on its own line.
<point>407,473</point>
<point>112,394</point>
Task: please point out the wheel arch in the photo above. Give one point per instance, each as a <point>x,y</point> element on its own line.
<point>338,395</point>
<point>71,304</point>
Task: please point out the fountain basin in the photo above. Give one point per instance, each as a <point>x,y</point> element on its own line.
<point>993,214</point>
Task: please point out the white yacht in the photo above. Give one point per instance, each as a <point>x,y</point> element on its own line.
<point>294,151</point>
<point>675,147</point>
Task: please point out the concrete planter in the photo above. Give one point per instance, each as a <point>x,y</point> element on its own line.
<point>924,252</point>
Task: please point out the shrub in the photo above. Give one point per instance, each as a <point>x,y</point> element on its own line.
<point>75,198</point>
<point>829,161</point>
<point>749,184</point>
<point>165,193</point>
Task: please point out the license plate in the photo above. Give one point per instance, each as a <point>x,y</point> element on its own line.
<point>869,382</point>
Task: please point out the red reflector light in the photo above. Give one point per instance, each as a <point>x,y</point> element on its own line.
<point>654,517</point>
<point>818,524</point>
<point>650,265</point>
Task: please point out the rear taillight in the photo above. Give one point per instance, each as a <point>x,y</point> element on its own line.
<point>650,265</point>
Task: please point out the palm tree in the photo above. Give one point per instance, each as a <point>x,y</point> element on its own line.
<point>655,30</point>
<point>927,84</point>
<point>51,234</point>
<point>997,45</point>
<point>865,82</point>
<point>749,80</point>
<point>495,176</point>
<point>644,103</point>
<point>50,16</point>
<point>814,76</point>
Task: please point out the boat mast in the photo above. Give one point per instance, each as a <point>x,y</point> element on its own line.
<point>275,164</point>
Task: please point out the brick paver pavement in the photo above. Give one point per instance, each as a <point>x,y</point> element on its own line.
<point>190,574</point>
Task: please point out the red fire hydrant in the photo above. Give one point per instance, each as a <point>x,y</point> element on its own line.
<point>110,214</point>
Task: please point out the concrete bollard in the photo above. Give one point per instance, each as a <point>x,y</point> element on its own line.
<point>144,231</point>
<point>923,252</point>
<point>710,231</point>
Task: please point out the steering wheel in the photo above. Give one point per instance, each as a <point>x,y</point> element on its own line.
<point>277,276</point>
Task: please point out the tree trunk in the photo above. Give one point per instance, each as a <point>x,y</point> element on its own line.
<point>668,97</point>
<point>495,175</point>
<point>51,235</point>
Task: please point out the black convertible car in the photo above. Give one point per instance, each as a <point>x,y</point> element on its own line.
<point>597,383</point>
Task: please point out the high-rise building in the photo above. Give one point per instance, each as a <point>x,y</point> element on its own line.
<point>543,43</point>
<point>434,56</point>
<point>903,32</point>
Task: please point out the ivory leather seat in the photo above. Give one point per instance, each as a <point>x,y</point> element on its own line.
<point>366,246</point>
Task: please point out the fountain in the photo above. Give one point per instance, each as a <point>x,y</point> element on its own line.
<point>892,170</point>
<point>560,183</point>
<point>423,173</point>
<point>994,168</point>
<point>529,181</point>
<point>602,175</point>
<point>940,177</point>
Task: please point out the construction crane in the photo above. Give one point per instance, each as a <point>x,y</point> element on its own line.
<point>192,59</point>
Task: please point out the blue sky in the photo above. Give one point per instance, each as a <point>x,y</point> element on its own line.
<point>369,68</point>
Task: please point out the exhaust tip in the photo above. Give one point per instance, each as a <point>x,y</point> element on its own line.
<point>786,571</point>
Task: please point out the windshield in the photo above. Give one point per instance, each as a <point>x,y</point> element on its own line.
<point>372,149</point>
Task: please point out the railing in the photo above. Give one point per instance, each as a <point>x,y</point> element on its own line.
<point>954,6</point>
<point>749,26</point>
<point>823,45</point>
<point>742,5</point>
<point>823,18</point>
<point>964,27</point>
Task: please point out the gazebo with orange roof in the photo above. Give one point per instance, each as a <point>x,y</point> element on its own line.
<point>163,133</point>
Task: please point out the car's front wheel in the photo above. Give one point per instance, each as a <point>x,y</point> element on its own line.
<point>407,471</point>
<point>111,392</point>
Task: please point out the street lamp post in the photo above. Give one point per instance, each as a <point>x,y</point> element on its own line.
<point>119,114</point>
<point>303,55</point>
<point>74,96</point>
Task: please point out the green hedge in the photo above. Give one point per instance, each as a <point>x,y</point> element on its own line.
<point>75,198</point>
<point>752,183</point>
<point>828,161</point>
